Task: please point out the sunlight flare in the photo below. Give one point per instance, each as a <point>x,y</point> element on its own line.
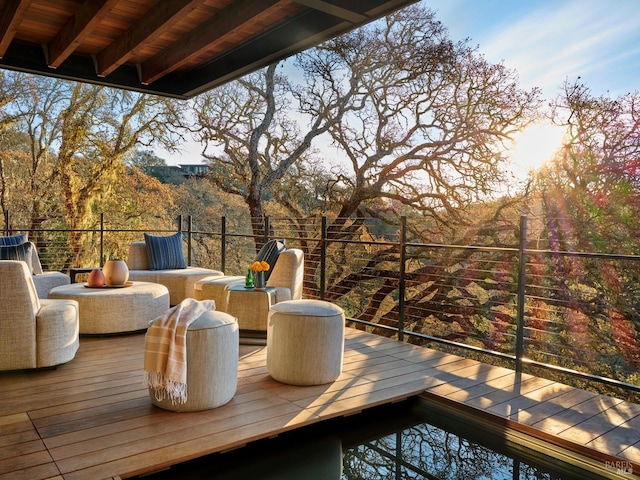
<point>535,145</point>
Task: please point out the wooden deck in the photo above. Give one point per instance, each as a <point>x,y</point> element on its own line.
<point>92,418</point>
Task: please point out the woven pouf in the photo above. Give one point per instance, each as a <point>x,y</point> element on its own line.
<point>305,342</point>
<point>212,363</point>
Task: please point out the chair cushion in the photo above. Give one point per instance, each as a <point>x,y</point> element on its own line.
<point>165,252</point>
<point>14,239</point>
<point>20,252</point>
<point>269,253</point>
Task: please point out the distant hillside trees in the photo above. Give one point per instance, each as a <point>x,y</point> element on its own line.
<point>74,141</point>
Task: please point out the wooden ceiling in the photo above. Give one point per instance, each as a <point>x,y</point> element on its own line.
<point>176,48</point>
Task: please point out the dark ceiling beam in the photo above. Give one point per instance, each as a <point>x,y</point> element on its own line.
<point>203,38</point>
<point>161,18</point>
<point>220,57</point>
<point>10,17</point>
<point>305,30</point>
<point>79,26</point>
<point>336,11</point>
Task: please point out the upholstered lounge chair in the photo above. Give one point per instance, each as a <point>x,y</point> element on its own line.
<point>46,280</point>
<point>17,247</point>
<point>34,332</point>
<point>286,276</point>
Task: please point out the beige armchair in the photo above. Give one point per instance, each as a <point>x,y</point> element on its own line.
<point>34,332</point>
<point>286,276</point>
<point>45,280</point>
<point>17,247</point>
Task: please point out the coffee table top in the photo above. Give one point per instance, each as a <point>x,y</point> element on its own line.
<point>242,288</point>
<point>130,288</point>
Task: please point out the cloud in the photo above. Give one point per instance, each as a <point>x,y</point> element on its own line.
<point>553,42</point>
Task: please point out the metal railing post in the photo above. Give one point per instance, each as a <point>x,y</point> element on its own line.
<point>402,286</point>
<point>323,257</point>
<point>223,246</point>
<point>522,266</point>
<point>266,229</point>
<point>189,238</point>
<point>7,222</point>
<point>102,259</point>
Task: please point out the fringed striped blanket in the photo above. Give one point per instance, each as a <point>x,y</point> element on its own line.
<point>165,349</point>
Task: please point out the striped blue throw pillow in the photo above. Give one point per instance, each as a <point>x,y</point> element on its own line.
<point>269,253</point>
<point>164,252</point>
<point>20,252</point>
<point>14,239</point>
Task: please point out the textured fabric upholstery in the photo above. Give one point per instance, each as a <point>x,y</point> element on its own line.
<point>36,266</point>
<point>46,280</point>
<point>217,289</point>
<point>251,307</point>
<point>286,276</point>
<point>137,259</point>
<point>116,310</point>
<point>305,342</point>
<point>164,252</point>
<point>212,363</point>
<point>34,333</point>
<point>179,281</point>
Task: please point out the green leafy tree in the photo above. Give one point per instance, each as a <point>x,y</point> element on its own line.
<point>99,129</point>
<point>76,139</point>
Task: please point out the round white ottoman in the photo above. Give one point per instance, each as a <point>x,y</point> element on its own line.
<point>115,310</point>
<point>305,342</point>
<point>212,364</point>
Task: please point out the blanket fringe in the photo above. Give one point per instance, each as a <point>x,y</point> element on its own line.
<point>163,388</point>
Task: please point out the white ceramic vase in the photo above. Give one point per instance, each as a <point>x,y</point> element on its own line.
<point>115,272</point>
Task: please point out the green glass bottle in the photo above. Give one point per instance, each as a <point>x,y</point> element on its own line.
<point>248,281</point>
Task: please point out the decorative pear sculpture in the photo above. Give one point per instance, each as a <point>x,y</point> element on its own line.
<point>96,278</point>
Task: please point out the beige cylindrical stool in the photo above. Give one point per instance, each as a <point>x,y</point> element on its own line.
<point>305,342</point>
<point>212,363</point>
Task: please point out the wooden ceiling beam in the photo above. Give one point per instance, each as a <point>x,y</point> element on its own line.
<point>10,17</point>
<point>203,38</point>
<point>336,11</point>
<point>79,26</point>
<point>161,18</point>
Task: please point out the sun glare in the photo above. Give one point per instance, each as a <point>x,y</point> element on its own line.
<point>534,146</point>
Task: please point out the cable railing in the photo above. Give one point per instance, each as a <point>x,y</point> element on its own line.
<point>571,313</point>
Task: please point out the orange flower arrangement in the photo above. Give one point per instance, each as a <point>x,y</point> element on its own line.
<point>259,266</point>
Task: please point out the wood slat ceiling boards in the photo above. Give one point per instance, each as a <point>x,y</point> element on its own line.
<point>176,48</point>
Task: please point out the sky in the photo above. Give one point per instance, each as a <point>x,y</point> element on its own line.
<point>547,42</point>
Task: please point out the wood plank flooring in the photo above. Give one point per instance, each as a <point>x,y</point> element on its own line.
<point>92,418</point>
